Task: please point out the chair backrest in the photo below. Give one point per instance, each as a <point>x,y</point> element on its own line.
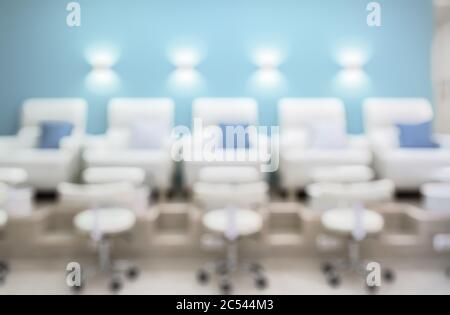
<point>123,112</point>
<point>214,111</point>
<point>381,113</point>
<point>73,110</point>
<point>298,113</point>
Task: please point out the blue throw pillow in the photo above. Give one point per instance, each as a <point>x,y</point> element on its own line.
<point>419,136</point>
<point>52,132</point>
<point>236,131</point>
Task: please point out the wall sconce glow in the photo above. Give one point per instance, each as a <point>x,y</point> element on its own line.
<point>102,77</point>
<point>268,76</point>
<point>102,80</point>
<point>104,56</point>
<point>186,77</point>
<point>268,58</point>
<point>352,77</point>
<point>186,58</point>
<point>352,58</point>
<point>352,74</point>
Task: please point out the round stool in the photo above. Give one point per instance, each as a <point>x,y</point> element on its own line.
<point>354,225</point>
<point>105,222</point>
<point>344,221</point>
<point>102,225</point>
<point>233,224</point>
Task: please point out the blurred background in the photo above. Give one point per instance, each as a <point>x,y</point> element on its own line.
<point>199,147</point>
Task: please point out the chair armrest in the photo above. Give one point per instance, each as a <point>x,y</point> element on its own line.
<point>8,143</point>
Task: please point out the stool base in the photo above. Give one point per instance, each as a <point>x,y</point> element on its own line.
<point>225,269</point>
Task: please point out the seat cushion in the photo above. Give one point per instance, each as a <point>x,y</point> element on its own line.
<point>104,175</point>
<point>35,157</point>
<point>342,174</point>
<point>229,174</point>
<point>239,223</point>
<point>345,221</point>
<point>328,157</point>
<point>376,191</point>
<point>328,135</point>
<point>148,135</point>
<point>411,168</point>
<point>112,221</point>
<point>138,158</point>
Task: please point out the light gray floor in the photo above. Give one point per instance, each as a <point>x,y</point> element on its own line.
<point>176,277</point>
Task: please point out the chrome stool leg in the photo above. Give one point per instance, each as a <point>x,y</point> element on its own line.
<point>4,271</point>
<point>116,270</point>
<point>225,269</point>
<point>352,264</point>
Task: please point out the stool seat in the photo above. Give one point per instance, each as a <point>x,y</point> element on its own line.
<point>248,222</point>
<point>13,176</point>
<point>105,221</point>
<point>3,219</point>
<point>342,174</point>
<point>106,175</point>
<point>343,221</point>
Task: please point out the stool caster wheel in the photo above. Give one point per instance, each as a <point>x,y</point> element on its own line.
<point>327,268</point>
<point>372,289</point>
<point>261,283</point>
<point>116,285</point>
<point>4,267</point>
<point>203,277</point>
<point>133,273</point>
<point>333,280</point>
<point>389,275</point>
<point>226,287</point>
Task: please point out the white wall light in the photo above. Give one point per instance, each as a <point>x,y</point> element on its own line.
<point>352,74</point>
<point>102,77</point>
<point>186,76</point>
<point>268,74</point>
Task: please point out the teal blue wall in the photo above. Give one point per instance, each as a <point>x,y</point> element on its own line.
<point>41,57</point>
